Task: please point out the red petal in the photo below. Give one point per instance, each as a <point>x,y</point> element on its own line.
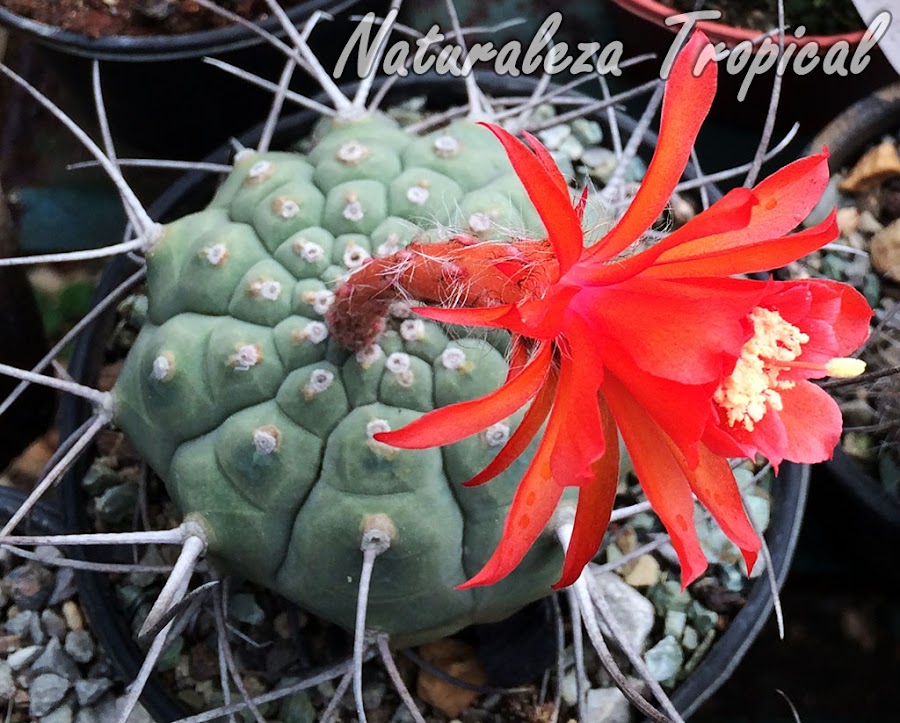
<point>547,162</point>
<point>531,509</point>
<point>552,204</point>
<point>581,430</point>
<point>812,422</point>
<point>662,476</point>
<point>686,102</point>
<point>729,213</point>
<point>714,484</point>
<point>595,503</point>
<point>582,203</point>
<point>718,256</point>
<point>518,357</point>
<point>688,331</point>
<point>480,316</point>
<point>457,421</point>
<point>525,432</point>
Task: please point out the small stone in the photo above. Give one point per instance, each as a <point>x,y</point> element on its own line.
<point>117,503</point>
<point>7,684</point>
<point>72,613</point>
<point>298,708</point>
<point>631,610</point>
<point>569,688</point>
<point>80,645</point>
<point>45,693</point>
<point>281,625</point>
<point>138,715</point>
<point>885,251</point>
<point>54,625</point>
<point>65,587</point>
<point>847,220</point>
<point>702,618</point>
<point>589,132</point>
<point>607,705</point>
<point>24,657</point>
<point>29,586</point>
<point>601,162</point>
<point>171,656</point>
<point>90,690</point>
<point>668,595</point>
<point>664,659</point>
<point>20,624</point>
<point>689,638</point>
<point>681,209</point>
<point>644,573</point>
<point>868,223</point>
<point>55,660</point>
<point>63,714</point>
<point>572,148</point>
<point>826,203</point>
<point>204,662</point>
<point>635,170</point>
<point>564,163</point>
<point>243,608</point>
<point>99,478</point>
<point>554,136</point>
<point>87,715</point>
<point>457,659</point>
<point>675,623</point>
<point>876,166</point>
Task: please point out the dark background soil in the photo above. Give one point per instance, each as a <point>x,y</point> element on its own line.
<point>96,18</point>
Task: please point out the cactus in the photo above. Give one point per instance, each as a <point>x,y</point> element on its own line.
<point>261,424</point>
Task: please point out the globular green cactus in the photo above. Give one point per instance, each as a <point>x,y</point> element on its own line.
<point>261,425</point>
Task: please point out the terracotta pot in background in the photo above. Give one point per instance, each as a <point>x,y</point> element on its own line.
<point>811,99</point>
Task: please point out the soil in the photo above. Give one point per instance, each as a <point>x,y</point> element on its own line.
<point>102,18</point>
<point>819,17</point>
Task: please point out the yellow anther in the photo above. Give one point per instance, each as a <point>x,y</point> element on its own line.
<point>845,367</point>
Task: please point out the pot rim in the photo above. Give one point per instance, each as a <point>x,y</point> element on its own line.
<point>731,35</point>
<point>148,48</point>
<point>96,592</point>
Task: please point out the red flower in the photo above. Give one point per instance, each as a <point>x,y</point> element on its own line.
<point>664,347</point>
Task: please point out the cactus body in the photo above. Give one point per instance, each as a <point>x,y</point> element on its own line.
<point>261,425</point>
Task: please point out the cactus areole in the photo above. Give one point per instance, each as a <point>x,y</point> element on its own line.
<point>260,418</point>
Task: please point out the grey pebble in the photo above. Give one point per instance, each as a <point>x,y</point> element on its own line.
<point>631,610</point>
<point>65,586</point>
<point>607,705</point>
<point>63,714</point>
<point>89,691</point>
<point>87,715</point>
<point>554,136</point>
<point>243,608</point>
<point>20,624</point>
<point>80,645</point>
<point>587,131</point>
<point>664,659</point>
<point>24,656</point>
<point>54,625</point>
<point>45,692</point>
<point>55,660</point>
<point>30,586</point>
<point>7,684</point>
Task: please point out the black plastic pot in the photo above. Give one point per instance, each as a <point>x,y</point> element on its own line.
<point>192,192</point>
<point>42,519</point>
<point>847,138</point>
<point>160,95</point>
